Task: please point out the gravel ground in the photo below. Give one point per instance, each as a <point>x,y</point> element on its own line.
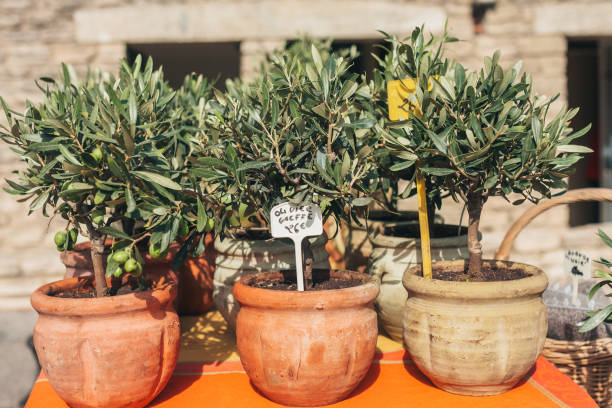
<point>18,365</point>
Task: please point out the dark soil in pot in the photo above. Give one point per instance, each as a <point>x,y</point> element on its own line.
<point>490,273</point>
<point>85,289</point>
<point>250,234</point>
<point>321,281</point>
<point>414,231</point>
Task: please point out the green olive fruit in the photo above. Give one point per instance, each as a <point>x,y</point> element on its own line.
<point>210,224</point>
<point>60,238</point>
<point>118,272</point>
<point>131,265</point>
<point>74,234</point>
<point>226,199</point>
<point>120,257</point>
<point>156,252</point>
<point>97,154</point>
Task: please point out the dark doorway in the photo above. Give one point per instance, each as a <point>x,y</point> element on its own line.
<point>213,60</point>
<point>583,91</point>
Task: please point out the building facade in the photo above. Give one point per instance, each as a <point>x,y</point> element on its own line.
<point>564,44</point>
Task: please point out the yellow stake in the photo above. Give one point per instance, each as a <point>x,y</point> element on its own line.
<point>424,224</point>
<point>402,102</point>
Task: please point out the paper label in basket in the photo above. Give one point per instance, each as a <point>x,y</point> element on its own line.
<point>577,265</point>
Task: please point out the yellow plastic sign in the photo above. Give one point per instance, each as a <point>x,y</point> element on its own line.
<point>402,99</point>
<point>402,103</point>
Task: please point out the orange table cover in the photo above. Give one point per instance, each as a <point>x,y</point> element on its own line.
<point>209,374</point>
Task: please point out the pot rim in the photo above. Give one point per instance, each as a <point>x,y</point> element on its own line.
<point>272,246</point>
<point>156,298</point>
<point>308,300</point>
<point>390,241</point>
<point>532,285</point>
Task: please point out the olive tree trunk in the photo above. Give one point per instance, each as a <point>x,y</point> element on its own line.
<point>474,208</point>
<point>97,259</point>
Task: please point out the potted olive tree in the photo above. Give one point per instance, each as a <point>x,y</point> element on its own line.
<point>478,326</point>
<point>290,137</point>
<point>185,134</point>
<point>95,152</point>
<point>392,242</point>
<point>239,207</point>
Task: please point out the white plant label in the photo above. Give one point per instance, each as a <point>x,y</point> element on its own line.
<point>296,222</point>
<point>577,265</point>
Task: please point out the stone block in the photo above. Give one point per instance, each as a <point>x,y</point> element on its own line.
<point>536,240</point>
<point>9,267</point>
<point>44,262</point>
<point>584,236</point>
<point>573,18</point>
<point>22,286</point>
<point>540,45</point>
<point>15,303</point>
<point>486,45</point>
<point>9,21</point>
<point>234,21</point>
<point>74,54</point>
<point>260,47</point>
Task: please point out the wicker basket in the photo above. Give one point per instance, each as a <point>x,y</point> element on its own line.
<point>588,363</point>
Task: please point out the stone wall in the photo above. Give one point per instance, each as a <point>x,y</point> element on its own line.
<point>38,34</point>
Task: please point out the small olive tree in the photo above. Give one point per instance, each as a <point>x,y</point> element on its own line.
<point>293,134</point>
<point>487,135</point>
<point>105,154</point>
<point>418,58</point>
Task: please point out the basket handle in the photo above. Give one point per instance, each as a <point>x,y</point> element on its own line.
<point>572,196</point>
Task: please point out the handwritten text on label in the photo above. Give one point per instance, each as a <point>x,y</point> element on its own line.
<point>288,220</point>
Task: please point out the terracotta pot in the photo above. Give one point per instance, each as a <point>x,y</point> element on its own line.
<point>196,282</point>
<point>107,352</point>
<point>306,348</point>
<point>475,338</point>
<point>236,258</point>
<point>392,255</point>
<point>194,277</point>
<point>357,241</point>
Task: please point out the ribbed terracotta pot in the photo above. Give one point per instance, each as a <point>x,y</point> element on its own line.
<point>237,258</point>
<point>475,338</point>
<point>195,276</point>
<point>106,352</point>
<point>393,253</point>
<point>306,348</point>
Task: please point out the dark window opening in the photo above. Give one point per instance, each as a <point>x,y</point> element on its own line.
<point>583,91</point>
<point>213,60</point>
<point>365,62</point>
<point>479,11</point>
